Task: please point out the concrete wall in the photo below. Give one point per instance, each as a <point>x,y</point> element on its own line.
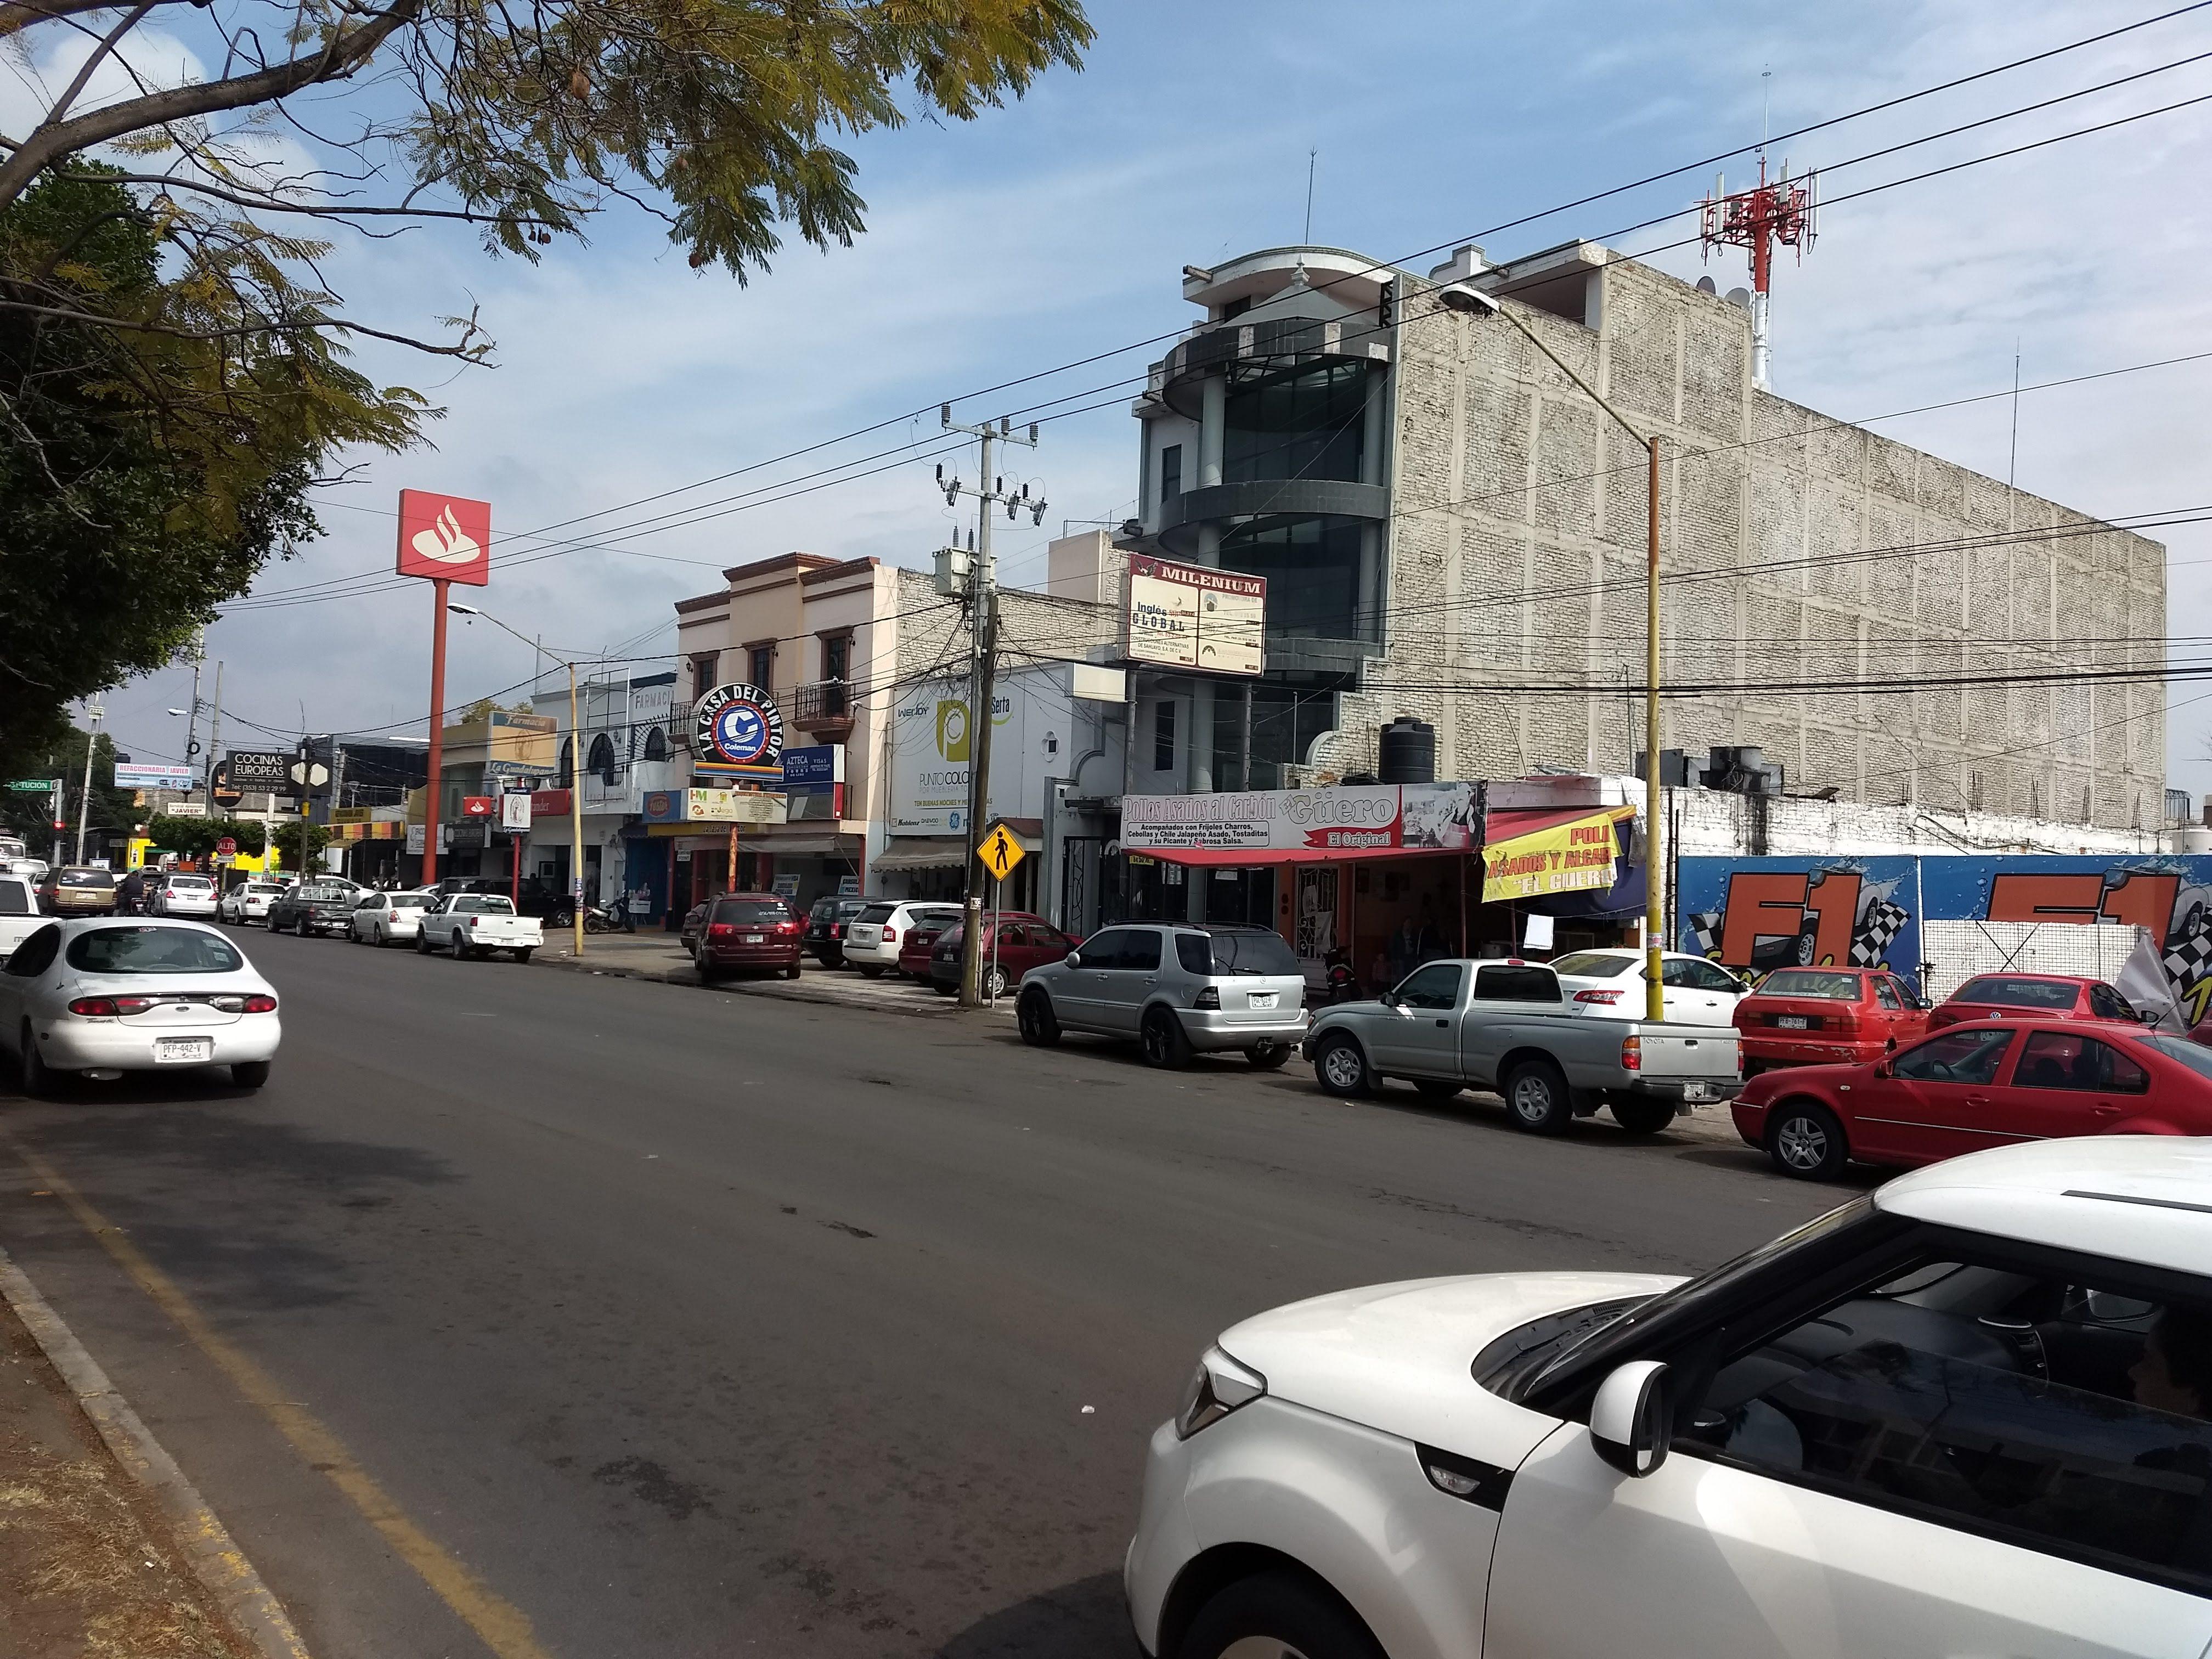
<point>1516,562</point>
<point>933,640</point>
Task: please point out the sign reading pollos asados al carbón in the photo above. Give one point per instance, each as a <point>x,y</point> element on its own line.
<point>738,727</point>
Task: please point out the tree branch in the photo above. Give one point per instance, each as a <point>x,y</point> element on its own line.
<point>131,19</point>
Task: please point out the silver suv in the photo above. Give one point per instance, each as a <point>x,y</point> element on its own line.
<point>1177,987</point>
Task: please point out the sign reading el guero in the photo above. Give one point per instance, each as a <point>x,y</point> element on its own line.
<point>738,728</point>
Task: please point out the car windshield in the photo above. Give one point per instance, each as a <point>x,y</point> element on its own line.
<point>1251,950</point>
<point>760,913</point>
<point>876,913</point>
<point>1592,964</point>
<point>1811,982</point>
<point>482,904</point>
<point>2017,992</point>
<point>87,879</point>
<point>153,951</point>
<point>2194,1055</point>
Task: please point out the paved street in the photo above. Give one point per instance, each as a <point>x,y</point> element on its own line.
<point>684,1322</point>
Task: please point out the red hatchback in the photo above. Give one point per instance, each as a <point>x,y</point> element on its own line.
<point>1820,1016</point>
<point>2032,996</point>
<point>1017,943</point>
<point>914,948</point>
<point>758,930</point>
<point>1976,1086</point>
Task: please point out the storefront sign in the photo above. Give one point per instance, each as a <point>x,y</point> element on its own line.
<point>1034,711</point>
<point>187,809</point>
<point>260,770</point>
<point>514,810</point>
<point>814,770</point>
<point>477,806</point>
<point>415,838</point>
<point>1574,857</point>
<point>731,806</point>
<point>154,777</point>
<point>550,804</point>
<point>350,814</point>
<point>738,728</point>
<point>1351,819</point>
<point>1187,616</point>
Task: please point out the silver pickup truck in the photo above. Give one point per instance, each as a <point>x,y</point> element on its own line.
<point>1506,1025</point>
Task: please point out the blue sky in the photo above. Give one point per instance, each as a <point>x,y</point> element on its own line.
<point>1056,228</point>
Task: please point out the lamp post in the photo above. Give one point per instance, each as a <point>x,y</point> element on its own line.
<point>575,783</point>
<point>94,716</point>
<point>1465,299</point>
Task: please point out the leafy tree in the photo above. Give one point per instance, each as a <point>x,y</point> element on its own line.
<point>196,838</point>
<point>62,755</point>
<point>298,841</point>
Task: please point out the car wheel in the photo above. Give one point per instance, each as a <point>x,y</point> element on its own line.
<point>1277,1614</point>
<point>1641,1116</point>
<point>1807,1142</point>
<point>422,944</point>
<point>992,982</point>
<point>1039,1025</point>
<point>1808,945</point>
<point>1160,1039</point>
<point>522,952</point>
<point>871,971</point>
<point>250,1073</point>
<point>942,989</point>
<point>1537,1099</point>
<point>40,1081</point>
<point>1341,1066</point>
<point>705,966</point>
<point>793,972</point>
<point>303,928</point>
<point>1268,1056</point>
<point>1437,1088</point>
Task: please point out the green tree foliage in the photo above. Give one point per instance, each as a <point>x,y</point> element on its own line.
<point>62,755</point>
<point>298,841</point>
<point>196,838</point>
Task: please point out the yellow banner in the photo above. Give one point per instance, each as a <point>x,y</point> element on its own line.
<point>1573,857</point>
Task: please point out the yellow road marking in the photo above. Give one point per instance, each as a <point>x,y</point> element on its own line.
<point>504,1627</point>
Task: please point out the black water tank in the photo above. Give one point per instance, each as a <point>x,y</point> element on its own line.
<point>1407,753</point>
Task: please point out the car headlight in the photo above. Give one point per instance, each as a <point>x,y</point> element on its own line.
<point>1217,1387</point>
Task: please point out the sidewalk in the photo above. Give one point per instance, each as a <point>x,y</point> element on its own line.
<point>657,957</point>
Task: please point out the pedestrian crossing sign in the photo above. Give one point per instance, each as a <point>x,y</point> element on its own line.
<point>999,852</point>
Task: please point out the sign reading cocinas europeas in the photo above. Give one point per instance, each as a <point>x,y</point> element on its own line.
<point>738,728</point>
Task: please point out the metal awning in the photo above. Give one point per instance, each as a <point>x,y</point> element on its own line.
<point>922,853</point>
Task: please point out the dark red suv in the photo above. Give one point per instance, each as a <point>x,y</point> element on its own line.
<point>759,932</point>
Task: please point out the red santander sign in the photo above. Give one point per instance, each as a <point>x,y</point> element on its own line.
<point>445,537</point>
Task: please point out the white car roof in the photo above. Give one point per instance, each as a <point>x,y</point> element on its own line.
<point>2134,1198</point>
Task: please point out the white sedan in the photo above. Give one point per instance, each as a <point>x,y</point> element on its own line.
<point>1609,983</point>
<point>383,919</point>
<point>100,996</point>
<point>184,896</point>
<point>249,901</point>
<point>1970,1413</point>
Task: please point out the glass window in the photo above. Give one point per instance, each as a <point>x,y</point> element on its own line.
<point>836,656</point>
<point>36,954</point>
<point>1140,951</point>
<point>656,744</point>
<point>758,913</point>
<point>1957,1056</point>
<point>600,756</point>
<point>1598,964</point>
<point>1103,949</point>
<point>483,904</point>
<point>407,901</point>
<point>1163,725</point>
<point>2107,1004</point>
<point>2064,1060</point>
<point>86,877</point>
<point>1811,982</point>
<point>1303,424</point>
<point>704,673</point>
<point>2013,991</point>
<point>373,902</point>
<point>2022,1406</point>
<point>1434,985</point>
<point>1170,473</point>
<point>760,666</point>
<point>1313,570</point>
<point>153,951</point>
<point>878,913</point>
<point>15,899</point>
<point>1690,974</point>
<point>1885,993</point>
<point>1253,951</point>
<point>2194,1055</point>
<point>1504,982</point>
<point>1195,952</point>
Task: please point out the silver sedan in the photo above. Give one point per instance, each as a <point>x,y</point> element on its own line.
<point>100,996</point>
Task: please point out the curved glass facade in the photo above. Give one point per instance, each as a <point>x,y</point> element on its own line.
<point>1305,424</point>
<point>1317,573</point>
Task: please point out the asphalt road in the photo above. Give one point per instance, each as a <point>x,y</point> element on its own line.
<point>684,1322</point>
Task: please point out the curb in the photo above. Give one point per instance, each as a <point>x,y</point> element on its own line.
<point>775,990</point>
<point>221,1566</point>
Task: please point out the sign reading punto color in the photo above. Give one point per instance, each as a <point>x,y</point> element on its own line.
<point>738,729</point>
<point>1351,818</point>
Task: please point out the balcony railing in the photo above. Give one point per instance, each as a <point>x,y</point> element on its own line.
<point>824,708</point>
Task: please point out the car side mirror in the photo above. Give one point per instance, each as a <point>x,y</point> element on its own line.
<point>1632,1417</point>
<point>1883,1068</point>
<point>1923,1004</point>
<point>1073,959</point>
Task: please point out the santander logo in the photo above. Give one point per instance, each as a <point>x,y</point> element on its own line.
<point>445,537</point>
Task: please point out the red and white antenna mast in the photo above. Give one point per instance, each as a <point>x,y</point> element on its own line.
<point>1784,210</point>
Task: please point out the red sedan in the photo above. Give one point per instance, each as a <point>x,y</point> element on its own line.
<point>1976,1086</point>
<point>750,930</point>
<point>1014,942</point>
<point>2032,996</point>
<point>1819,1016</point>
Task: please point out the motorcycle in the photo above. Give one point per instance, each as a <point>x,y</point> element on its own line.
<point>608,916</point>
<point>1343,984</point>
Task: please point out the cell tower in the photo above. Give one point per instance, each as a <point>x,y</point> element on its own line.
<point>1784,210</point>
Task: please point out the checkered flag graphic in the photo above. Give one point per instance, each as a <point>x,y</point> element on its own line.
<point>2187,961</point>
<point>1705,932</point>
<point>1871,944</point>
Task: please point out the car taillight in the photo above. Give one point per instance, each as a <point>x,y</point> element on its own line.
<point>787,926</point>
<point>836,930</point>
<point>1209,998</point>
<point>1632,1054</point>
<point>720,929</point>
<point>1606,999</point>
<point>891,936</point>
<point>394,917</point>
<point>256,1004</point>
<point>109,1008</point>
<point>472,924</point>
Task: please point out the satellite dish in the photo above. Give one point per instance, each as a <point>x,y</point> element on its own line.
<point>1706,285</point>
<point>1740,298</point>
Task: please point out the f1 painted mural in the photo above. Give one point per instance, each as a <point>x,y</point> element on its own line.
<point>1866,912</point>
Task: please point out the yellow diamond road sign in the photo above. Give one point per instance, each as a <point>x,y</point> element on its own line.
<point>999,852</point>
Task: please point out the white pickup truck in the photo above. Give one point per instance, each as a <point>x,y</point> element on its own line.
<point>1506,1025</point>
<point>19,914</point>
<point>475,925</point>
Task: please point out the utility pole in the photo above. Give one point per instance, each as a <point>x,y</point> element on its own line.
<point>214,738</point>
<point>192,718</point>
<point>576,817</point>
<point>94,716</point>
<point>981,592</point>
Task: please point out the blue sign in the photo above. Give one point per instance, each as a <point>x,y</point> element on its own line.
<point>812,771</point>
<point>738,727</point>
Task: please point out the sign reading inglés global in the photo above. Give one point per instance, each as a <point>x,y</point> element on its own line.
<point>1351,819</point>
<point>1189,616</point>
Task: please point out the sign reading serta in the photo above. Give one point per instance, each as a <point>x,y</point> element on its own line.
<point>1190,616</point>
<point>738,728</point>
<point>446,539</point>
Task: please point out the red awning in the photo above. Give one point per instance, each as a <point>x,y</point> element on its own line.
<point>1506,825</point>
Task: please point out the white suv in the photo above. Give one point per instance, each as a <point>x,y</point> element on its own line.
<point>873,938</point>
<point>1970,1413</point>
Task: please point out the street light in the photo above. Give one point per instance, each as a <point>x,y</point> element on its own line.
<point>575,783</point>
<point>1464,299</point>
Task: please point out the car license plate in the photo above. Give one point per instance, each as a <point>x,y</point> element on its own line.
<point>756,939</point>
<point>1791,1022</point>
<point>1261,999</point>
<point>1696,1091</point>
<point>183,1051</point>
